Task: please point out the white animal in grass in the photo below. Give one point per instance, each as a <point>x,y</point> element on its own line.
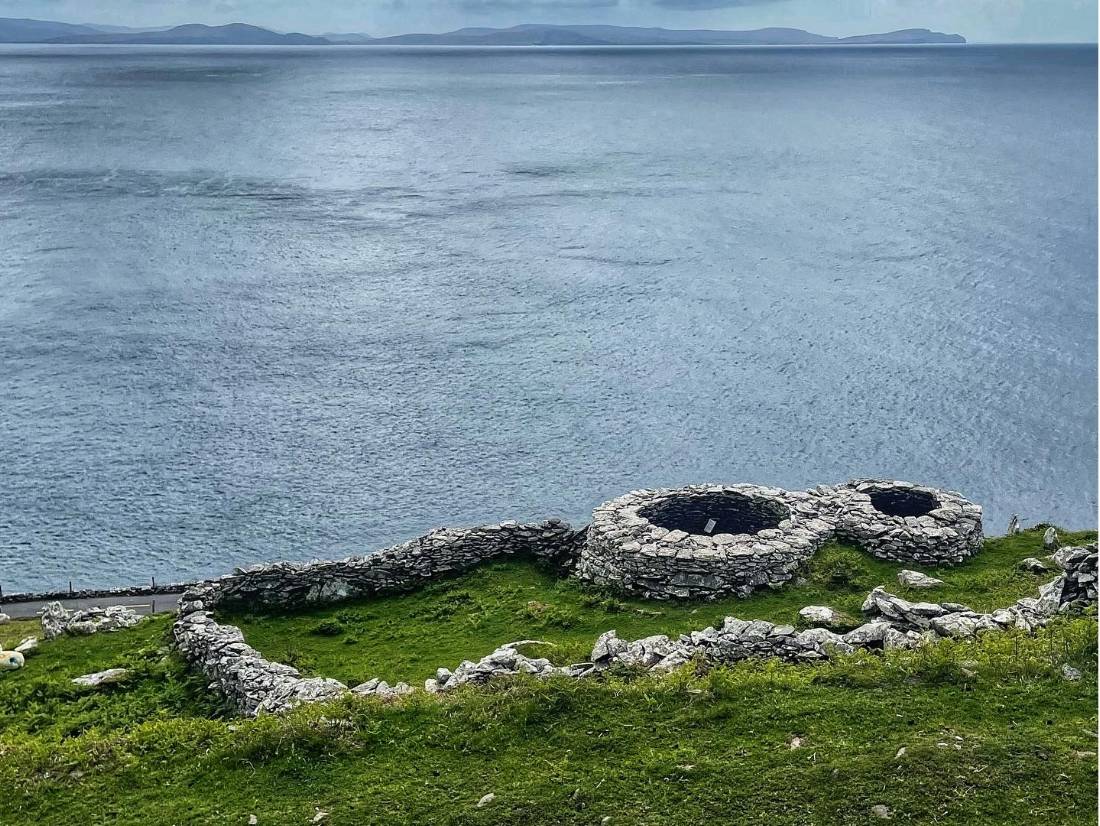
<point>10,660</point>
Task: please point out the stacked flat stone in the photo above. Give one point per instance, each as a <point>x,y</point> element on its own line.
<point>253,684</point>
<point>249,682</point>
<point>627,551</point>
<point>58,621</point>
<point>948,530</point>
<point>1076,588</point>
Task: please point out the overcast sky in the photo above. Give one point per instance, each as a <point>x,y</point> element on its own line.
<point>978,20</point>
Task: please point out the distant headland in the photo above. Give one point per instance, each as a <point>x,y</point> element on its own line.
<point>14,30</point>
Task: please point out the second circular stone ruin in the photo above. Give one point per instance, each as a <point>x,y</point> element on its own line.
<point>904,522</point>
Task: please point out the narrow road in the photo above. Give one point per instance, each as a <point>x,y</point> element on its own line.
<point>145,604</point>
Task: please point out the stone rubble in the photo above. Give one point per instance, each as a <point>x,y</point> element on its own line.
<point>1050,540</point>
<point>58,621</point>
<point>27,645</point>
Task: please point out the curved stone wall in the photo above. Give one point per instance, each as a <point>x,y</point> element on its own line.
<point>904,522</point>
<point>731,539</point>
<point>253,684</point>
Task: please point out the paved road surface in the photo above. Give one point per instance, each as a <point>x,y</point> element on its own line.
<point>158,604</point>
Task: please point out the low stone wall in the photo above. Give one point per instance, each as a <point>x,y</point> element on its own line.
<point>253,684</point>
<point>904,522</point>
<point>628,550</point>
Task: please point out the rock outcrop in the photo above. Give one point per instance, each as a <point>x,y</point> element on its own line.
<point>58,621</point>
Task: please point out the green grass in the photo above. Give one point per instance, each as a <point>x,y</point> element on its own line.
<point>406,637</point>
<point>992,732</point>
<point>41,699</point>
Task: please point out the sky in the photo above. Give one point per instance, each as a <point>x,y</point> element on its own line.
<point>977,20</point>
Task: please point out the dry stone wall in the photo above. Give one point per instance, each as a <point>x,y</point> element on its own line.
<point>628,549</point>
<point>704,541</point>
<point>695,542</point>
<point>903,522</point>
<point>253,684</point>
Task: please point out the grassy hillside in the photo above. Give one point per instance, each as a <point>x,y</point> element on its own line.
<point>991,730</point>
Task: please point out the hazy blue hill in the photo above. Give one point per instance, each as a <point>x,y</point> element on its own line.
<point>528,34</point>
<point>906,36</point>
<point>20,30</point>
<point>234,34</point>
<point>537,34</point>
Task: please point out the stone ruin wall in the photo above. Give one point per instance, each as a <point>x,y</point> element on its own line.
<point>624,549</point>
<point>627,551</point>
<point>252,683</point>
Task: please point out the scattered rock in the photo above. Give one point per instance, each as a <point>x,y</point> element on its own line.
<point>1050,539</point>
<point>915,579</point>
<point>900,753</point>
<point>819,615</point>
<point>320,816</point>
<point>252,821</point>
<point>1014,525</point>
<point>4,618</point>
<point>102,678</point>
<point>28,645</point>
<point>58,621</point>
<point>10,660</point>
<point>1033,565</point>
<point>486,800</point>
<point>881,812</point>
<point>1070,673</point>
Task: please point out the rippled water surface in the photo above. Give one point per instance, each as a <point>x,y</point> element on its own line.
<point>262,304</point>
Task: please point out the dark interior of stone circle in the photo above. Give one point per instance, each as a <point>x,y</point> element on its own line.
<point>731,512</point>
<point>903,502</point>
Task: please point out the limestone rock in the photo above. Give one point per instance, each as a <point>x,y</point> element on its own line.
<point>1013,525</point>
<point>58,621</point>
<point>819,615</point>
<point>11,660</point>
<point>1033,565</point>
<point>915,579</point>
<point>1050,539</point>
<point>27,645</point>
<point>102,678</point>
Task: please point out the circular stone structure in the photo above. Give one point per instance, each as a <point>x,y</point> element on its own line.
<point>904,522</point>
<point>702,541</point>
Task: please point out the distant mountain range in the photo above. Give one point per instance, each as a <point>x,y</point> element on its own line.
<point>235,34</point>
<point>240,34</point>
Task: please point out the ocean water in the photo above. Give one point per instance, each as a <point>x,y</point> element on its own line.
<point>259,304</point>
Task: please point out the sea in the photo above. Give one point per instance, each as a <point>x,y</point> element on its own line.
<point>286,303</point>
